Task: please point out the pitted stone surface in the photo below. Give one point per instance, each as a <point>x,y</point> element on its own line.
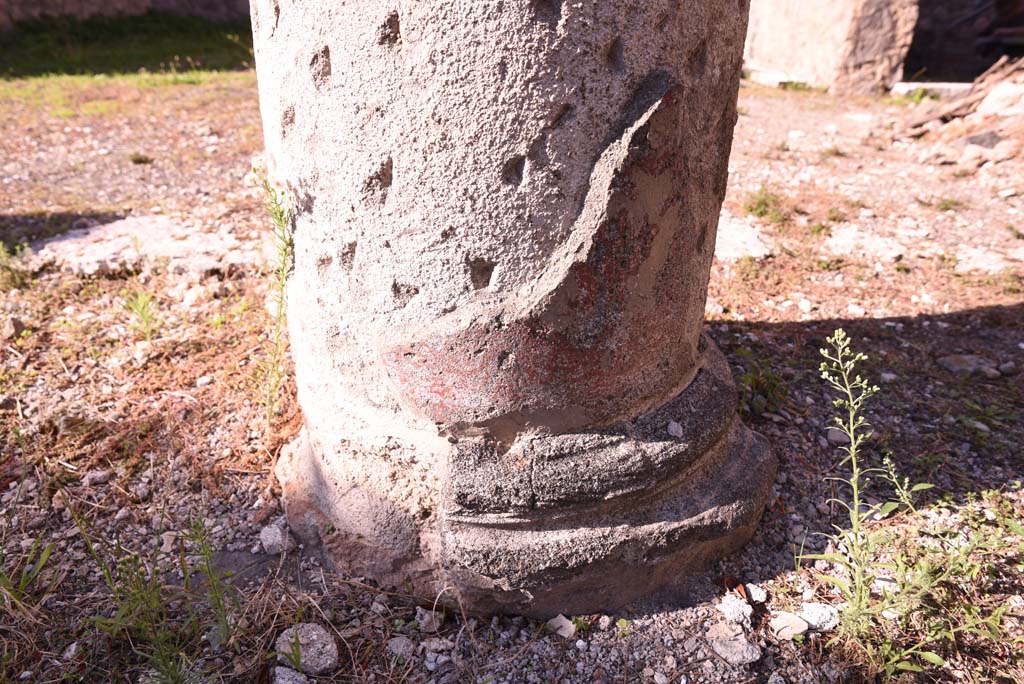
<point>596,203</point>
<point>505,221</point>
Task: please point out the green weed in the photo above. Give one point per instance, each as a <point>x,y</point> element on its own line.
<point>18,581</point>
<point>581,624</point>
<point>761,389</point>
<point>796,86</point>
<point>831,264</point>
<point>832,152</point>
<point>914,97</point>
<point>271,368</point>
<point>14,274</point>
<point>142,614</point>
<point>906,601</point>
<point>949,204</point>
<point>747,268</point>
<point>766,205</point>
<point>153,42</point>
<point>143,308</point>
<point>221,597</point>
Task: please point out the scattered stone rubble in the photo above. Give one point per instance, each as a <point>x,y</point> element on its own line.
<point>984,125</point>
<point>140,243</point>
<point>309,647</point>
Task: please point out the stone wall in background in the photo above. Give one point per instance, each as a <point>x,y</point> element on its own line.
<point>847,46</point>
<point>800,44</point>
<point>216,10</point>
<point>876,46</point>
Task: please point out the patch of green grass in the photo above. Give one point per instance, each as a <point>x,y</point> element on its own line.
<point>747,268</point>
<point>835,215</point>
<point>819,228</point>
<point>949,204</point>
<point>14,274</point>
<point>153,42</point>
<point>98,107</point>
<point>914,97</point>
<point>797,86</point>
<point>832,152</point>
<point>142,612</point>
<point>766,205</point>
<point>761,389</point>
<point>67,96</point>
<point>143,307</point>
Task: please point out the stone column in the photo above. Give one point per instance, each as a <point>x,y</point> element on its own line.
<point>505,220</point>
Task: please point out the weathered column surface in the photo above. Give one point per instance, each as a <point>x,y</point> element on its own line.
<point>506,214</point>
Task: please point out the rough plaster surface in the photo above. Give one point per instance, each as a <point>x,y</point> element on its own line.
<point>505,219</point>
<point>847,46</point>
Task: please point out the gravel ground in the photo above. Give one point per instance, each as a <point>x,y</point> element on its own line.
<point>114,444</point>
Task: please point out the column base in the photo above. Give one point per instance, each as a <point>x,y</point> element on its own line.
<point>577,524</point>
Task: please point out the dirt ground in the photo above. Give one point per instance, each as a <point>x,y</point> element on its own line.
<point>113,446</point>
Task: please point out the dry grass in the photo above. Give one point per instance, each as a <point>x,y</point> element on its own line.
<point>176,451</point>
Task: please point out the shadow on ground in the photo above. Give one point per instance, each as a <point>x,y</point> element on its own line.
<point>924,411</point>
<point>17,229</point>
<point>959,431</point>
<point>154,42</point>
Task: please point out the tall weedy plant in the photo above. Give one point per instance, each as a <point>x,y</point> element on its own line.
<point>903,591</point>
<point>271,369</point>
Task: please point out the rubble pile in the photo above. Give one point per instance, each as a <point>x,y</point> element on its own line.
<point>986,124</point>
